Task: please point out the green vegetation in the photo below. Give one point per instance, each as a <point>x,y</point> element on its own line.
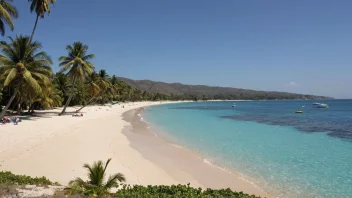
<point>76,65</point>
<point>177,191</point>
<point>177,91</point>
<point>95,186</point>
<point>7,178</point>
<point>7,12</point>
<point>25,70</point>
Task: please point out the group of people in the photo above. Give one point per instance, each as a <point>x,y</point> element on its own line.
<point>15,120</point>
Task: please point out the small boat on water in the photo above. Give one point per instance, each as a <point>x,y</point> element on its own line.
<point>299,111</point>
<point>322,105</point>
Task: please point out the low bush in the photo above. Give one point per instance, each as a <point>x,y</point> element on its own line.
<point>7,178</point>
<point>176,191</point>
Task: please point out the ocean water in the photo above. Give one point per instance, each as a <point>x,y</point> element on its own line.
<point>292,155</point>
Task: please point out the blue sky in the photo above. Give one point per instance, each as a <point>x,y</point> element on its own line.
<point>296,46</point>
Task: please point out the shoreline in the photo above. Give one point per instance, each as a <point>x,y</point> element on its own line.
<point>57,147</point>
<point>184,165</point>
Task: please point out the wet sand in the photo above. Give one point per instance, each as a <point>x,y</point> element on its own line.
<point>181,164</point>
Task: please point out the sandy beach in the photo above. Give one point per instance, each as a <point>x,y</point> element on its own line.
<point>57,146</point>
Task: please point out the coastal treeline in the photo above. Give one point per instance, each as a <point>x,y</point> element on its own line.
<point>202,92</point>
<point>27,81</point>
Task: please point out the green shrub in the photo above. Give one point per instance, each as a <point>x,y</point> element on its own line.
<point>8,178</point>
<point>95,186</point>
<point>174,191</point>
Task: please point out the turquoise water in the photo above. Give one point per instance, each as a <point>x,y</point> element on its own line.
<point>293,155</point>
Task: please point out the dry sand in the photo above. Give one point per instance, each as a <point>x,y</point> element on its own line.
<point>57,146</point>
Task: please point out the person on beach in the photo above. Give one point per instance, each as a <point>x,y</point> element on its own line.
<point>16,120</point>
<point>4,120</point>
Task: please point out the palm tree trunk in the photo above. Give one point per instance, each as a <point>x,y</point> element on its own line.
<point>35,27</point>
<point>91,100</point>
<point>70,97</point>
<point>8,105</point>
<point>30,107</point>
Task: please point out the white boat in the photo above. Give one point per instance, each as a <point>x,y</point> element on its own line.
<point>322,105</point>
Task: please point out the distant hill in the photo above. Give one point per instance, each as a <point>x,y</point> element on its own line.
<point>209,92</point>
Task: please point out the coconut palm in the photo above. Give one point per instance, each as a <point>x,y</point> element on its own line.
<point>50,97</point>
<point>95,186</point>
<point>105,86</point>
<point>7,12</point>
<point>23,68</point>
<point>93,89</point>
<point>61,82</point>
<point>114,80</point>
<point>104,80</point>
<point>115,87</point>
<point>77,66</point>
<point>40,7</point>
<point>101,81</point>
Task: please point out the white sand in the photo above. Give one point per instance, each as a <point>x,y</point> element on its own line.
<point>57,146</point>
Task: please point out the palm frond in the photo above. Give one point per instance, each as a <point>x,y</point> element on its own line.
<point>10,76</point>
<point>27,76</point>
<point>112,180</point>
<point>10,8</point>
<point>7,11</point>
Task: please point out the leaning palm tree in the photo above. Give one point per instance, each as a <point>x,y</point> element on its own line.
<point>77,66</point>
<point>7,11</point>
<point>40,7</point>
<point>95,186</point>
<point>93,89</point>
<point>23,68</point>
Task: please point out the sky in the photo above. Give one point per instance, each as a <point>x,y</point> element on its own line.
<point>296,46</point>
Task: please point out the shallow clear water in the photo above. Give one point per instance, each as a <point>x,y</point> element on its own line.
<point>293,155</point>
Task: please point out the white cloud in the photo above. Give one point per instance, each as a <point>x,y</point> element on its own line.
<point>291,84</point>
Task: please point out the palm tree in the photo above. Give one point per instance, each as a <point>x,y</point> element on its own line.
<point>61,82</point>
<point>114,80</point>
<point>23,68</point>
<point>101,81</point>
<point>50,97</point>
<point>77,65</point>
<point>40,7</point>
<point>105,85</point>
<point>93,88</point>
<point>95,186</point>
<point>104,79</point>
<point>6,12</point>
